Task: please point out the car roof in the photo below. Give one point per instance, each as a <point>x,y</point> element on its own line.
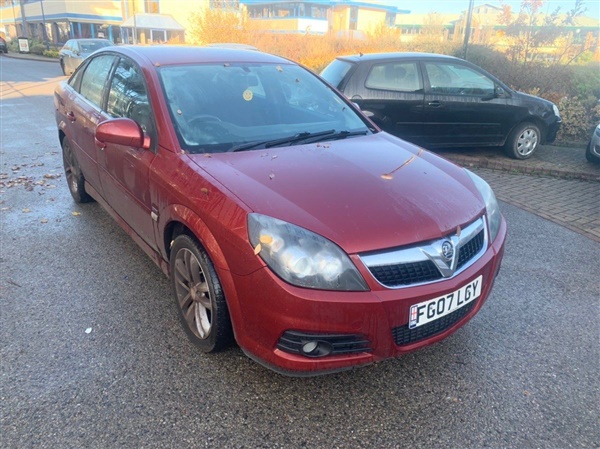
<point>96,39</point>
<point>396,55</point>
<point>159,55</point>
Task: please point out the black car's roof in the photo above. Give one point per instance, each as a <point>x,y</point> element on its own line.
<point>158,55</point>
<point>396,55</point>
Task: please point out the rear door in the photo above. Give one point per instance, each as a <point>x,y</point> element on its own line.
<point>461,106</point>
<point>391,94</point>
<point>84,112</point>
<point>124,170</point>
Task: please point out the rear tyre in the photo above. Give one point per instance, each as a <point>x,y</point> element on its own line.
<point>75,179</point>
<point>591,157</point>
<point>523,141</point>
<point>199,296</point>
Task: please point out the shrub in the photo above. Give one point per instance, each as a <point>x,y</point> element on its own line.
<point>578,119</point>
<point>37,49</point>
<point>51,53</point>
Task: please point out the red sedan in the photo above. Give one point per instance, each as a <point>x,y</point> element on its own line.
<point>284,218</point>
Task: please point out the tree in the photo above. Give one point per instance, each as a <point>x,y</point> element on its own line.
<point>218,24</point>
<point>529,31</point>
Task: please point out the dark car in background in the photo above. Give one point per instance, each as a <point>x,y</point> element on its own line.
<point>76,50</point>
<point>592,152</point>
<point>283,217</point>
<point>3,45</point>
<point>440,101</point>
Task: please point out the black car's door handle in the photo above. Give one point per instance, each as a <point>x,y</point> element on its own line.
<point>434,104</point>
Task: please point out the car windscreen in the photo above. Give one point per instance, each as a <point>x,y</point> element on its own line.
<point>335,72</point>
<point>92,46</point>
<point>220,107</point>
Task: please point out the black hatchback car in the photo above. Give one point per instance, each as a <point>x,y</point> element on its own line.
<point>440,101</point>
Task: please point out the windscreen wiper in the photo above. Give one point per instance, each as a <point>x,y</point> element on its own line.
<point>283,141</point>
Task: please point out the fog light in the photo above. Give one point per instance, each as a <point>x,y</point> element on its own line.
<point>316,348</point>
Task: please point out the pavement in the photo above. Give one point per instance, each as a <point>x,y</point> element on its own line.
<point>556,183</point>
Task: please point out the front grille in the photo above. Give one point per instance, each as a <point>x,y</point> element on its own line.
<point>292,342</point>
<point>404,336</point>
<point>406,273</point>
<point>424,262</point>
<point>470,249</point>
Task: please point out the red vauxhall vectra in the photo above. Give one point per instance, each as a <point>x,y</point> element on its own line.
<point>285,219</point>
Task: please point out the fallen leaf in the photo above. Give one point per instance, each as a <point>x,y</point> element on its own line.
<point>26,210</point>
<point>76,214</point>
<point>204,190</point>
<point>272,175</point>
<point>44,220</point>
<point>88,330</point>
<point>257,249</point>
<point>52,175</point>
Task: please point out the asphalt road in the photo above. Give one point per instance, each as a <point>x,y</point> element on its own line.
<point>92,354</point>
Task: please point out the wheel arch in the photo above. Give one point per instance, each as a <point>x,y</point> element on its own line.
<point>542,126</point>
<point>185,221</point>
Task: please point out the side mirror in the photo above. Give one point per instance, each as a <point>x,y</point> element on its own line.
<point>499,92</point>
<point>121,131</point>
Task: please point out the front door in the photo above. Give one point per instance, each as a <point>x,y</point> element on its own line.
<point>124,171</point>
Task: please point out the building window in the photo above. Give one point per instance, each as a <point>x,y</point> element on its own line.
<point>151,6</point>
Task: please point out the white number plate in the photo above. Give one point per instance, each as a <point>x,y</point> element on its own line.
<point>433,309</point>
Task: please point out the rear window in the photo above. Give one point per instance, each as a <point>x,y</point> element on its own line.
<point>335,72</point>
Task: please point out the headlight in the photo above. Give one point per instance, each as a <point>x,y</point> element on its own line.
<point>301,257</point>
<point>555,109</point>
<point>491,205</point>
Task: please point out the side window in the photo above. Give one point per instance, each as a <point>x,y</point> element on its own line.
<point>454,79</point>
<point>128,97</point>
<point>94,78</point>
<point>402,77</point>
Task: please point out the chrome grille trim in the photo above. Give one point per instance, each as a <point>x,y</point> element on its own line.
<point>430,251</point>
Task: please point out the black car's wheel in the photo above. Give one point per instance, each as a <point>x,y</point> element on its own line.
<point>75,179</point>
<point>199,296</point>
<point>523,141</point>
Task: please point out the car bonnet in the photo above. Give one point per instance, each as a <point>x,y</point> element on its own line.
<point>362,193</point>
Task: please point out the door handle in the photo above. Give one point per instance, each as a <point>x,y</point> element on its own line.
<point>434,104</point>
<point>71,116</point>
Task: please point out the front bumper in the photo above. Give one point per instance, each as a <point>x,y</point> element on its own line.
<point>552,131</point>
<point>272,309</point>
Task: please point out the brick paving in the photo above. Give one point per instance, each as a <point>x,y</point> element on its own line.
<point>572,203</point>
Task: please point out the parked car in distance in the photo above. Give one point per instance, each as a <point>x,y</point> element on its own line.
<point>76,50</point>
<point>3,45</point>
<point>592,152</point>
<point>282,215</point>
<point>441,101</point>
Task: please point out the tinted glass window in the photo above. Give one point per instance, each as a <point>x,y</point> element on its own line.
<point>215,107</point>
<point>454,79</point>
<point>128,96</point>
<point>94,78</point>
<point>335,72</point>
<point>402,77</point>
<point>91,46</point>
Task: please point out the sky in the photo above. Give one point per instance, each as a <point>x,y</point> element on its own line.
<point>456,6</point>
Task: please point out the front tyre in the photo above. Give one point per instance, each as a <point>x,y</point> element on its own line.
<point>199,296</point>
<point>75,179</point>
<point>523,141</point>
